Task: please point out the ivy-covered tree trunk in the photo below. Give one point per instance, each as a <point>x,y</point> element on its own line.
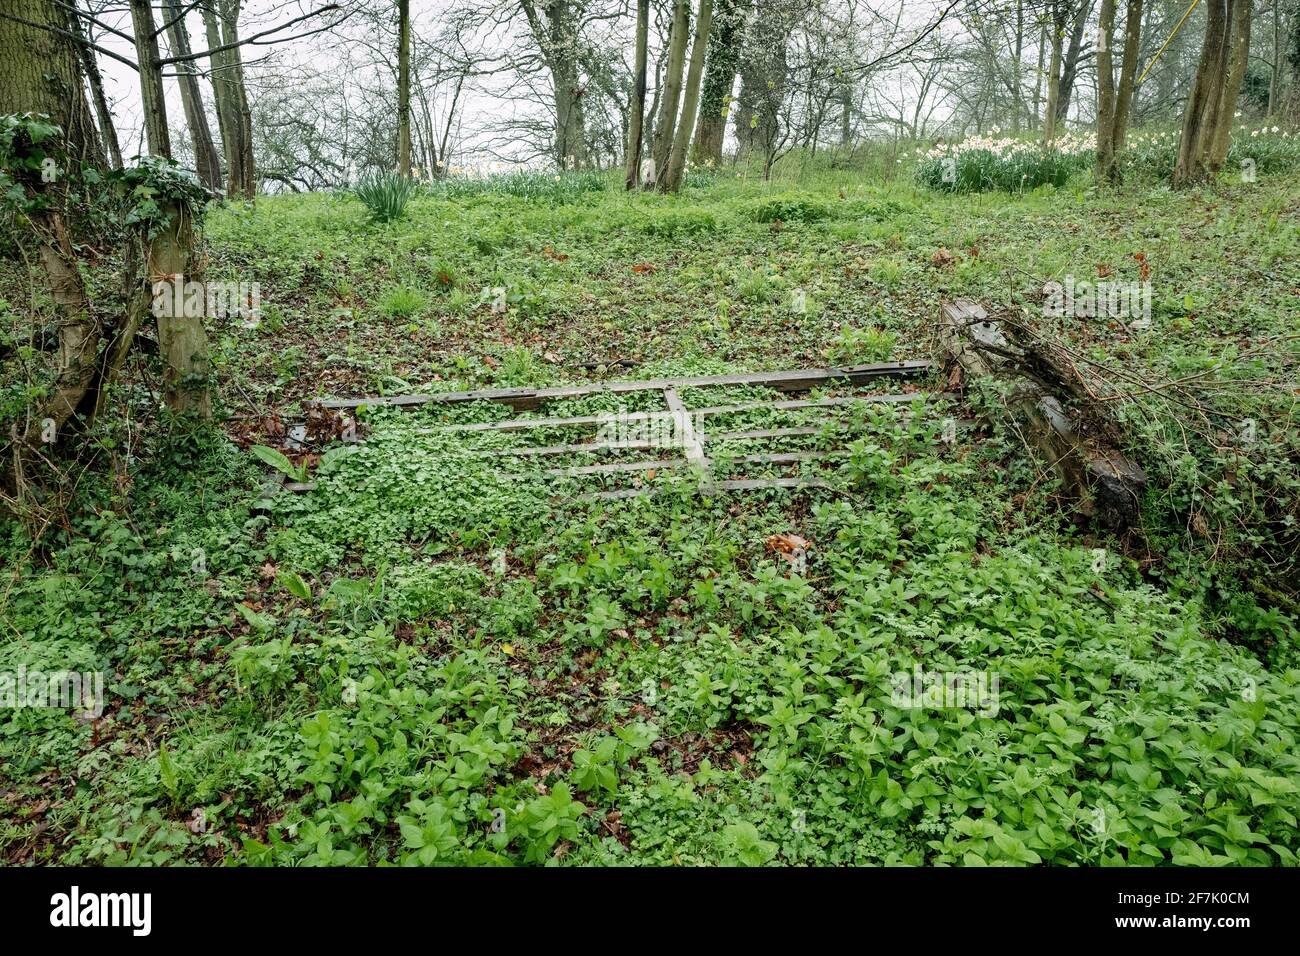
<point>40,71</point>
<point>764,76</point>
<point>719,77</point>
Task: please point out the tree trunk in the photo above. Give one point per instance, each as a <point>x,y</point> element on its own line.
<point>40,72</point>
<point>1038,75</point>
<point>666,126</point>
<point>1127,75</point>
<point>79,333</point>
<point>1057,30</point>
<point>636,109</point>
<point>182,342</point>
<point>207,163</point>
<point>1191,166</point>
<point>557,38</point>
<point>151,85</point>
<point>1070,66</point>
<point>404,88</point>
<point>1113,105</point>
<point>846,114</point>
<point>181,338</point>
<point>1105,93</point>
<point>1238,55</point>
<point>224,98</point>
<point>444,151</point>
<point>1293,59</point>
<point>1275,73</point>
<point>107,131</point>
<point>239,93</point>
<point>719,78</point>
<point>1214,106</point>
<point>690,101</point>
<point>1017,61</point>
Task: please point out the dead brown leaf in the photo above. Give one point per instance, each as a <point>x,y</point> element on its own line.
<point>942,259</point>
<point>789,546</point>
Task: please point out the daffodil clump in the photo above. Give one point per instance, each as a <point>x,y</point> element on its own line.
<point>1268,149</point>
<point>985,163</point>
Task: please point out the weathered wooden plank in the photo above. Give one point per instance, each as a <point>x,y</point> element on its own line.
<point>757,433</point>
<point>573,449</point>
<point>787,457</point>
<point>523,424</point>
<point>579,448</point>
<point>751,484</point>
<point>737,484</point>
<point>525,398</point>
<point>683,427</point>
<point>901,398</point>
<point>613,467</point>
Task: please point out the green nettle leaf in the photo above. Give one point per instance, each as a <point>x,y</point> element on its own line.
<point>258,621</point>
<point>294,584</point>
<point>167,770</point>
<point>279,461</point>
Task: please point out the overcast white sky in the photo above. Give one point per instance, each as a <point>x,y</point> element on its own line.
<point>487,101</point>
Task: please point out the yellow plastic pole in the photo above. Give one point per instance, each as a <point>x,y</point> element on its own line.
<point>1167,42</point>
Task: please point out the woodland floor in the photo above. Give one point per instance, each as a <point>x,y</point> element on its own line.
<point>424,660</point>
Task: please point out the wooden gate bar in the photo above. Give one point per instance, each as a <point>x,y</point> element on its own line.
<point>683,427</point>
<point>523,424</point>
<point>526,398</point>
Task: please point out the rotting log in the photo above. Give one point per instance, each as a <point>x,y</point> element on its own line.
<point>1071,433</point>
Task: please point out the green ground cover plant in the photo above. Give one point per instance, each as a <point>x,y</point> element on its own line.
<point>432,658</point>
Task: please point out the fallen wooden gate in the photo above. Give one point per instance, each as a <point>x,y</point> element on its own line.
<point>687,431</point>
